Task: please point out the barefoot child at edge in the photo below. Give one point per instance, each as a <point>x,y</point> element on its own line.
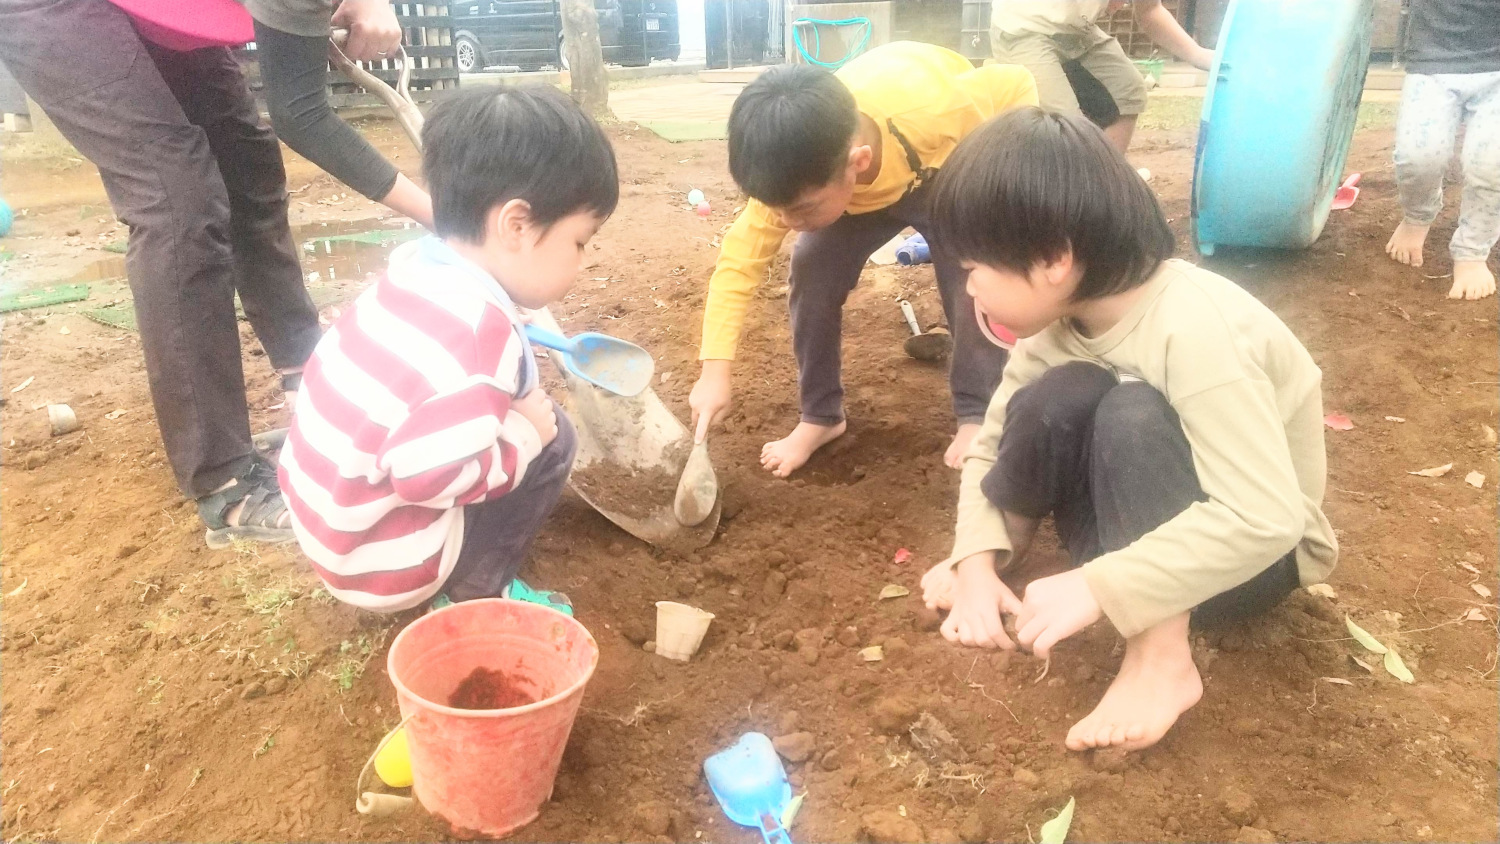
<point>424,455</point>
<point>1168,421</point>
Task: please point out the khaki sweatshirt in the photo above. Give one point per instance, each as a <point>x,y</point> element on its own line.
<point>1249,398</point>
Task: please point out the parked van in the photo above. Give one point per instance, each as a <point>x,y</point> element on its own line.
<point>528,33</point>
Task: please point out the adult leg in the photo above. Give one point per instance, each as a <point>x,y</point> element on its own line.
<point>825,266</point>
<point>1425,130</point>
<point>1479,213</point>
<point>498,534</point>
<point>1142,476</point>
<point>83,62</point>
<point>1106,61</point>
<point>212,90</point>
<point>1042,56</point>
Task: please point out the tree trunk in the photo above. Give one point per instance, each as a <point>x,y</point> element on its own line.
<point>585,56</point>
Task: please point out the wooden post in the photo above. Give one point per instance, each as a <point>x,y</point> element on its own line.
<point>585,57</point>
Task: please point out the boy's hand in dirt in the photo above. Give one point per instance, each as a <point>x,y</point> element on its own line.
<point>978,600</point>
<point>1055,608</point>
<point>710,398</point>
<point>539,410</point>
<point>937,586</point>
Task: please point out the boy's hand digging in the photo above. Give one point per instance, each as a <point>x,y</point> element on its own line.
<point>978,599</point>
<point>539,410</point>
<point>1055,608</point>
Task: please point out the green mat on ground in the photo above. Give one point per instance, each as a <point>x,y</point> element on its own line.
<point>55,295</point>
<point>678,131</point>
<point>121,314</point>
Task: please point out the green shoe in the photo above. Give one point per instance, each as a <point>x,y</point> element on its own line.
<point>439,601</point>
<point>519,591</point>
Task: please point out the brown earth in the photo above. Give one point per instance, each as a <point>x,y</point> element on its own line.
<point>157,690</point>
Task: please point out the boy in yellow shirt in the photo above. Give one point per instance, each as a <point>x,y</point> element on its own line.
<point>846,159</point>
<point>1170,424</point>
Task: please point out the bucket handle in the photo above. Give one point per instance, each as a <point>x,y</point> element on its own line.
<point>372,803</point>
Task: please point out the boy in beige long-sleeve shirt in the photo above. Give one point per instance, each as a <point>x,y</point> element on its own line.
<point>1169,422</point>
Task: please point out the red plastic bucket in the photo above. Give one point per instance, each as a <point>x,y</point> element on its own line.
<point>487,772</point>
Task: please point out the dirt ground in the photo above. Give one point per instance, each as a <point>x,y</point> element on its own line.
<point>157,690</point>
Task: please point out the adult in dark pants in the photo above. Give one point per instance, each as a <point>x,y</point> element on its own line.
<point>197,177</point>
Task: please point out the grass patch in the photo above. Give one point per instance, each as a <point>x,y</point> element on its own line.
<point>265,745</point>
<point>353,658</point>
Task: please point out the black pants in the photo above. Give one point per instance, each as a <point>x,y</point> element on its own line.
<point>1110,463</point>
<point>195,174</point>
<point>826,265</point>
<point>498,534</point>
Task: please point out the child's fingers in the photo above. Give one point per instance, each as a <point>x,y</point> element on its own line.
<point>1028,632</point>
<point>1009,603</point>
<point>950,627</point>
<point>1041,647</point>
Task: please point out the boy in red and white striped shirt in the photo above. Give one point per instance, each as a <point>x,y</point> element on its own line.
<point>424,455</point>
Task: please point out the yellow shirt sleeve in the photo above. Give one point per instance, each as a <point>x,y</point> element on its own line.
<point>748,249</point>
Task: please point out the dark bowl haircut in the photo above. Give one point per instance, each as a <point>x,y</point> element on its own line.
<point>484,146</point>
<point>789,131</point>
<point>1030,185</point>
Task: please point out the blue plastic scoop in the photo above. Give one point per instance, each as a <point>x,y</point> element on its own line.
<point>751,785</point>
<point>609,363</point>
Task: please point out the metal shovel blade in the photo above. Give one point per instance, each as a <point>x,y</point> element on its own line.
<point>698,489</point>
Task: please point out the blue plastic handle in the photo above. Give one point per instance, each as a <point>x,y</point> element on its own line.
<point>543,337</point>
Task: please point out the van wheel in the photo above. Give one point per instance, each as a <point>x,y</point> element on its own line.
<point>470,57</point>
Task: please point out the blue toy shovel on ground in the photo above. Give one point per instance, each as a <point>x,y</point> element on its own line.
<point>751,785</point>
<point>609,363</point>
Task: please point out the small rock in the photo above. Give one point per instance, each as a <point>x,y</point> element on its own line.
<point>649,646</point>
<point>795,747</point>
<point>774,587</point>
<point>971,829</point>
<point>636,631</point>
<point>654,818</point>
<point>849,637</point>
<point>1025,777</point>
<point>888,827</point>
<point>894,715</point>
<point>1112,760</point>
<point>253,691</point>
<point>1254,835</point>
<point>275,685</point>
<point>832,760</point>
<point>809,655</point>
<point>1240,808</point>
<point>783,639</point>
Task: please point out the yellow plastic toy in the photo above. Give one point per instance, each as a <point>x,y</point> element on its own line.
<point>393,762</point>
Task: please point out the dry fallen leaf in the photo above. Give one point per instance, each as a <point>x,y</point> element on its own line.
<point>1397,668</point>
<point>23,385</point>
<point>1489,435</point>
<point>1482,590</point>
<point>1370,642</point>
<point>902,555</point>
<point>1476,614</point>
<point>1394,419</point>
<point>1434,472</point>
<point>115,414</point>
<point>1055,831</point>
<point>1336,680</point>
<point>1322,590</point>
<point>1338,422</point>
<point>1362,664</point>
<point>65,330</point>
<point>894,590</point>
<point>1468,568</point>
<point>1475,479</point>
<point>873,653</point>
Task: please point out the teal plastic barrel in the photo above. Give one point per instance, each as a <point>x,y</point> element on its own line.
<point>1283,94</point>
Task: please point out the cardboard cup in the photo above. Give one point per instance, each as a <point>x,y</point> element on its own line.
<point>63,419</point>
<point>680,629</point>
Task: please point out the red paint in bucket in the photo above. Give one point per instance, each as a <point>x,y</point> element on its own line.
<point>486,772</point>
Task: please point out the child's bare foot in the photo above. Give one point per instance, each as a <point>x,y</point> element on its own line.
<point>786,455</point>
<point>960,445</point>
<point>1472,280</point>
<point>1406,243</point>
<point>1156,684</point>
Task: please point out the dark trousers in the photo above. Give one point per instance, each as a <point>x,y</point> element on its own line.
<point>826,265</point>
<point>1110,463</point>
<point>498,534</point>
<point>197,177</point>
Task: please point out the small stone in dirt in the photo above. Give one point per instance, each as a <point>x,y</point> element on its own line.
<point>888,827</point>
<point>809,655</point>
<point>275,685</point>
<point>635,630</point>
<point>775,585</point>
<point>783,639</point>
<point>795,747</point>
<point>1025,777</point>
<point>654,818</point>
<point>894,715</point>
<point>971,829</point>
<point>849,637</point>
<point>832,760</point>
<point>1112,760</point>
<point>253,691</point>
<point>649,646</point>
<point>1240,808</point>
<point>1254,835</point>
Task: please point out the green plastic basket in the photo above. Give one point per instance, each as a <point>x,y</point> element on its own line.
<point>1151,67</point>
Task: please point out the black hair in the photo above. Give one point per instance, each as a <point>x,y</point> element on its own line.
<point>1030,185</point>
<point>484,146</point>
<point>789,131</point>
